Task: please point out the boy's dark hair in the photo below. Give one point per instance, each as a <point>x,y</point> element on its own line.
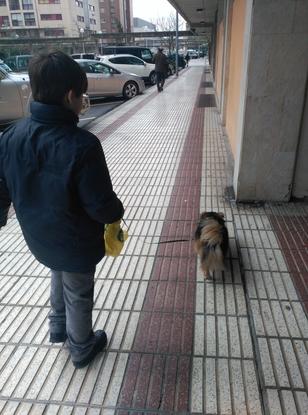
<point>52,75</point>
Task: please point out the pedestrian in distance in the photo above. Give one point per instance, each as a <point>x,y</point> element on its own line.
<point>161,68</point>
<point>187,58</point>
<point>56,176</point>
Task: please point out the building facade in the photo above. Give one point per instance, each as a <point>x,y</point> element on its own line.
<point>48,18</point>
<point>258,53</point>
<point>116,16</point>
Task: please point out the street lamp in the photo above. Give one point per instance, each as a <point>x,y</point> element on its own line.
<point>81,31</point>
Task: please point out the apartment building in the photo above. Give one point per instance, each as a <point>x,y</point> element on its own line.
<point>116,16</point>
<point>49,18</point>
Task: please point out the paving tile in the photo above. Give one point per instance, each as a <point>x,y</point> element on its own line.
<point>224,386</point>
<point>210,398</point>
<point>266,365</point>
<point>254,405</point>
<point>197,386</point>
<point>273,402</point>
<point>292,365</point>
<point>302,402</point>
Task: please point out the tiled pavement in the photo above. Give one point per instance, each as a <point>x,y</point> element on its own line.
<point>235,345</point>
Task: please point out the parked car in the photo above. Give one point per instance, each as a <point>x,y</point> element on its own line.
<point>103,80</point>
<point>181,60</point>
<point>83,55</point>
<point>18,63</point>
<point>15,95</point>
<point>131,64</point>
<point>139,51</point>
<point>192,53</point>
<point>5,66</point>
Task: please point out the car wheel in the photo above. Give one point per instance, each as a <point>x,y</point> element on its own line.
<point>152,78</point>
<point>130,90</point>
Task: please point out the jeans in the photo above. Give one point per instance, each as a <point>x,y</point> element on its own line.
<point>160,79</point>
<point>71,299</point>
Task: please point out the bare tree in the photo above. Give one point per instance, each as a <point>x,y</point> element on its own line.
<point>168,24</point>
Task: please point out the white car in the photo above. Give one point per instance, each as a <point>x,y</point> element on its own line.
<point>15,95</point>
<point>132,64</point>
<point>104,81</point>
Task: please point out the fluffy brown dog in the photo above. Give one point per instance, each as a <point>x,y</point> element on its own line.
<point>211,242</point>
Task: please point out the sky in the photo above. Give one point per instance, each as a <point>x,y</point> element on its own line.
<point>152,9</point>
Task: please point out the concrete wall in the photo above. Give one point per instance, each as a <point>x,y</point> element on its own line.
<point>300,185</point>
<point>219,59</point>
<point>274,100</point>
<point>235,71</point>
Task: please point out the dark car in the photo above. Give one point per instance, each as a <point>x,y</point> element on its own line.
<point>83,56</point>
<point>139,51</point>
<point>18,63</point>
<point>181,60</point>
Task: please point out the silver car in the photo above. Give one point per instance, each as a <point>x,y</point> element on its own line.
<point>103,80</point>
<point>15,94</point>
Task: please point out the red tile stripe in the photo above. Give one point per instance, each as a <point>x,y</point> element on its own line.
<point>292,233</point>
<point>159,369</point>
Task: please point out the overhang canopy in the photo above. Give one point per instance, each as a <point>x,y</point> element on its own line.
<point>199,14</point>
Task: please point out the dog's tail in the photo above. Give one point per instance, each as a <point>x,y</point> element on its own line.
<point>212,239</point>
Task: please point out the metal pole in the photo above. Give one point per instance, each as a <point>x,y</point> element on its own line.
<point>177,45</point>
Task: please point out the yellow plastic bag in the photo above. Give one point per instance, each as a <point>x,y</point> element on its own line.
<point>114,237</point>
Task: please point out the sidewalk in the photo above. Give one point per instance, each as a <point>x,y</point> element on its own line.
<point>177,344</point>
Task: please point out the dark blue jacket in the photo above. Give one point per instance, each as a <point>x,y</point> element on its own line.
<point>57,178</point>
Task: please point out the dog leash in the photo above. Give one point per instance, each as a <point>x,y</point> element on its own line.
<point>170,241</point>
<point>162,242</point>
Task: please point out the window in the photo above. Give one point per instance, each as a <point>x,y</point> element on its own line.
<point>146,55</point>
<point>92,21</point>
<point>4,21</point>
<point>53,32</point>
<point>51,16</point>
<point>14,4</point>
<point>99,68</point>
<point>135,61</point>
<point>29,19</point>
<point>49,1</point>
<point>2,3</point>
<point>27,4</point>
<point>79,3</point>
<point>95,68</point>
<point>91,8</point>
<point>17,19</point>
<point>80,18</point>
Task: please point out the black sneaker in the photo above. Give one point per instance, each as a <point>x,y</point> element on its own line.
<point>99,346</point>
<point>58,337</point>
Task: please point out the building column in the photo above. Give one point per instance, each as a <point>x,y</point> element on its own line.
<point>271,100</point>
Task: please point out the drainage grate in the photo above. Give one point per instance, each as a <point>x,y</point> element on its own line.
<point>207,100</point>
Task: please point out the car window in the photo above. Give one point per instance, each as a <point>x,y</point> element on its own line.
<point>86,67</point>
<point>5,67</point>
<point>134,61</point>
<point>12,64</point>
<point>146,54</point>
<point>88,56</point>
<point>2,74</point>
<point>121,60</point>
<point>23,61</point>
<point>100,68</point>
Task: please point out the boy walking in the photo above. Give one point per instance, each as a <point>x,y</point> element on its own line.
<point>56,176</point>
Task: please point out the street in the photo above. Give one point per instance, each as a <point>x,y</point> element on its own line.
<point>97,109</point>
